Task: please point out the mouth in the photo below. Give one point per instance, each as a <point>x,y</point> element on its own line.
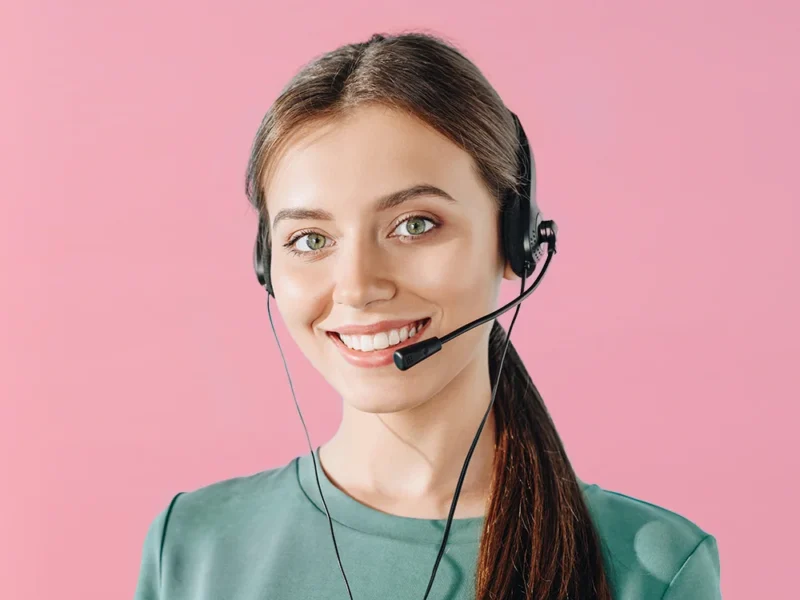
<point>377,349</point>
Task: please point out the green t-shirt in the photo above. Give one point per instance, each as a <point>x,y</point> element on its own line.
<point>266,537</point>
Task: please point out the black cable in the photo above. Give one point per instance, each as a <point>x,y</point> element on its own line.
<point>474,441</point>
<point>480,429</point>
<point>308,439</point>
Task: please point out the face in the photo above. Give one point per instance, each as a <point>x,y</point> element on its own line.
<point>382,234</point>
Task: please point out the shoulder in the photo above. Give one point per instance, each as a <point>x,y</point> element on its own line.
<point>230,499</point>
<point>652,551</point>
<point>197,525</point>
<point>195,521</point>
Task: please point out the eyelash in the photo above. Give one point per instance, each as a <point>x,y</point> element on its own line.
<point>406,238</point>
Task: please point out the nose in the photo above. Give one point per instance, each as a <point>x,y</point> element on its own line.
<point>360,277</point>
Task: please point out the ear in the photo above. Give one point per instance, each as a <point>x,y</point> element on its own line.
<point>508,272</point>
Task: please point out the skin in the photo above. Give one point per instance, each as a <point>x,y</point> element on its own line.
<point>404,435</point>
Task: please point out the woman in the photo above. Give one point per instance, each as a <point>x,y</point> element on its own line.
<point>355,268</point>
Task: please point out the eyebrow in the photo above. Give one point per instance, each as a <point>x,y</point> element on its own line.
<point>384,203</point>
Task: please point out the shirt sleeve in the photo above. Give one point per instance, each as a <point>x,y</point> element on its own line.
<point>699,576</point>
<point>148,585</point>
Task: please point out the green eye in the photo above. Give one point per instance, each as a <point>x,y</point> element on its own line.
<point>414,226</point>
<point>312,242</point>
<point>315,241</point>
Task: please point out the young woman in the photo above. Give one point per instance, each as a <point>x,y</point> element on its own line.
<point>382,172</point>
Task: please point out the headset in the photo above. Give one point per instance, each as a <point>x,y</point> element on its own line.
<point>524,235</point>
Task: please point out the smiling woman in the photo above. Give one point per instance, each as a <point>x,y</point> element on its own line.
<point>382,175</point>
<point>390,212</point>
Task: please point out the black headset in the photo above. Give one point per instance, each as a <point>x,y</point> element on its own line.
<point>524,235</point>
<point>522,228</point>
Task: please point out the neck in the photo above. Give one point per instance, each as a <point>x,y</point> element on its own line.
<point>409,462</point>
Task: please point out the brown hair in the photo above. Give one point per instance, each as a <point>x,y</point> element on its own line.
<point>539,541</point>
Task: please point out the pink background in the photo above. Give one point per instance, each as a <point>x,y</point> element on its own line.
<point>137,359</point>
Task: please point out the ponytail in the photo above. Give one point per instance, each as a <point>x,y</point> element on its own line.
<point>539,542</point>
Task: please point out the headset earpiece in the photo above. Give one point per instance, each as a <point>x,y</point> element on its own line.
<point>521,218</point>
<point>261,257</point>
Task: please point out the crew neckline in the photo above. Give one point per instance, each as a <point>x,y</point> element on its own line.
<point>351,513</point>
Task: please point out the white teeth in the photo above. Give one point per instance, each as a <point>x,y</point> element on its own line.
<point>379,341</point>
<point>366,343</point>
<point>353,341</point>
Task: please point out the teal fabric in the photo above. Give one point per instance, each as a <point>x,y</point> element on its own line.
<point>266,537</point>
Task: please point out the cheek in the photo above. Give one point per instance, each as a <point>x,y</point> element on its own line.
<point>300,296</point>
<point>462,277</point>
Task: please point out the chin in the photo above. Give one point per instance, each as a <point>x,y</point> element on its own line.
<point>377,400</point>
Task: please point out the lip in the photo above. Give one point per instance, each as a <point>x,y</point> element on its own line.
<point>374,358</point>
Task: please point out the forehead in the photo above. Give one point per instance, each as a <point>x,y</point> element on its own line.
<point>370,152</point>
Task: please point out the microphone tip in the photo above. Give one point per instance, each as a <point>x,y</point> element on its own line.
<point>407,357</point>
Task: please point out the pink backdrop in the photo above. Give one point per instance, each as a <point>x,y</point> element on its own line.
<point>136,354</point>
